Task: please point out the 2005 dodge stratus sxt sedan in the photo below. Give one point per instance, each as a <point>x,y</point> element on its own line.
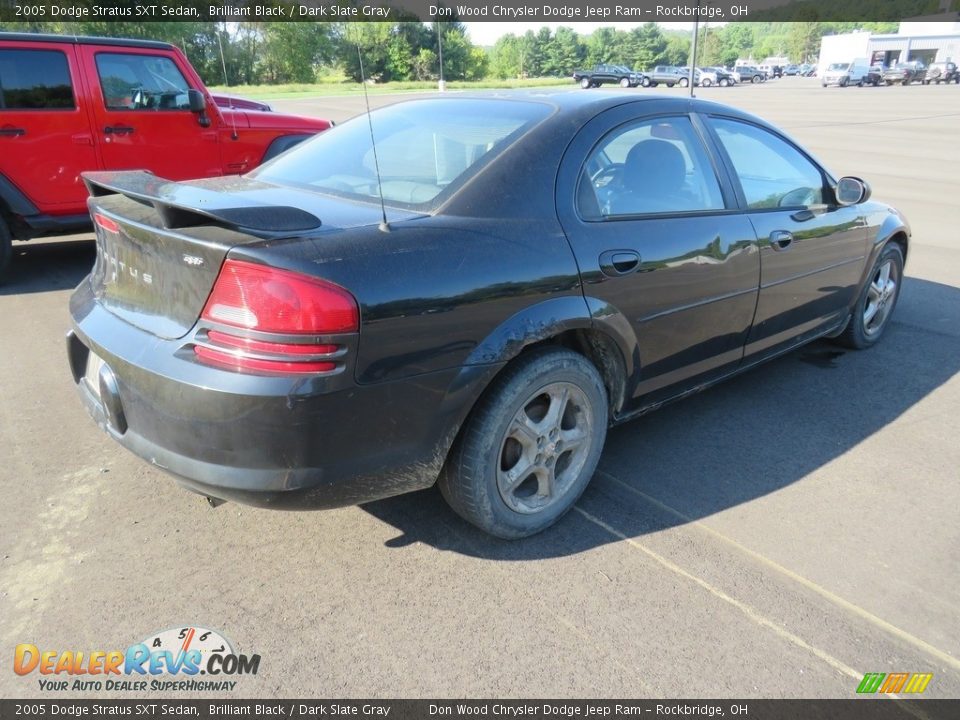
<point>550,265</point>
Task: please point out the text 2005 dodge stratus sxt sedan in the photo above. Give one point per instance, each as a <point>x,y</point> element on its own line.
<point>551,265</point>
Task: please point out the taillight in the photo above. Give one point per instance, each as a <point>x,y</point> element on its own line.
<point>252,297</point>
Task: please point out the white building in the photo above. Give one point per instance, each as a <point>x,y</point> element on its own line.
<point>930,39</point>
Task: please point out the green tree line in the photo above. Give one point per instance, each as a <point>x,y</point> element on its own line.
<point>252,53</point>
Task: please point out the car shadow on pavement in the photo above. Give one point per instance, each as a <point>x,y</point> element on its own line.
<point>45,265</point>
<point>739,441</point>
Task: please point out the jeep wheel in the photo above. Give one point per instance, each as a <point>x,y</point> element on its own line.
<point>531,445</point>
<point>6,249</point>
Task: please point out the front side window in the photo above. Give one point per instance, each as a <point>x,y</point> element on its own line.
<point>423,149</point>
<point>772,172</point>
<point>35,80</point>
<point>654,166</point>
<point>141,82</point>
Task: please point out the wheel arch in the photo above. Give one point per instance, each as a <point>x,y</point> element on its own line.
<point>589,326</point>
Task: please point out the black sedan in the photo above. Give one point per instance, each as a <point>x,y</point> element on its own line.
<point>471,302</point>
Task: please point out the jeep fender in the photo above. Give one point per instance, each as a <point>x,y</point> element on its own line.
<point>282,144</point>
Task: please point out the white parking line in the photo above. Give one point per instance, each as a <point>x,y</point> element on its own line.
<point>880,623</point>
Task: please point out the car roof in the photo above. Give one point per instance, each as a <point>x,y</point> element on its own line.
<point>84,40</point>
<point>570,101</point>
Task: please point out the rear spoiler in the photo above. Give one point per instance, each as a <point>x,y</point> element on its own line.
<point>182,205</point>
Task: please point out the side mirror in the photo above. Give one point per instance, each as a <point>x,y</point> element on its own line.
<point>198,104</point>
<point>851,191</point>
<point>196,101</point>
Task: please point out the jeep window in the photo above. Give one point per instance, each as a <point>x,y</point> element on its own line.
<point>35,80</point>
<point>425,150</point>
<point>141,82</point>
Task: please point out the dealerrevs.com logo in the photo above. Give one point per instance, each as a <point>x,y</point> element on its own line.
<point>179,659</point>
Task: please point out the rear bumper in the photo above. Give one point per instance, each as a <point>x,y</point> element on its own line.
<point>284,442</point>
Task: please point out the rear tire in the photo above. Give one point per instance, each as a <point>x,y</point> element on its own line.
<point>585,83</point>
<point>723,82</point>
<point>756,79</point>
<point>684,82</point>
<point>706,82</point>
<point>6,250</point>
<point>645,82</point>
<point>624,82</point>
<point>530,446</point>
<point>877,301</point>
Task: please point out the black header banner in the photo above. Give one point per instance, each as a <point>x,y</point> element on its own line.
<point>565,11</point>
<point>859,709</point>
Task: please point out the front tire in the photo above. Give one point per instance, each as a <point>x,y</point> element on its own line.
<point>645,82</point>
<point>723,82</point>
<point>684,82</point>
<point>585,83</point>
<point>877,300</point>
<point>706,82</point>
<point>755,79</point>
<point>530,446</point>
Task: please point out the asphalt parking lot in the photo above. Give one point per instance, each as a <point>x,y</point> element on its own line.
<point>777,536</point>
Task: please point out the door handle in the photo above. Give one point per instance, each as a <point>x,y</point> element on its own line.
<point>619,262</point>
<point>118,130</point>
<point>12,132</point>
<point>780,239</point>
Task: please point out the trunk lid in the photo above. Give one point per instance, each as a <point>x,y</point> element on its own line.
<point>160,245</point>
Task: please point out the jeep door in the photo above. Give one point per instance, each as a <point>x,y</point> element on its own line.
<point>142,114</point>
<point>658,238</point>
<point>812,251</point>
<point>45,138</point>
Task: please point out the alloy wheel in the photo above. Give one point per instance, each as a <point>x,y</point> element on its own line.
<point>880,298</point>
<point>545,448</point>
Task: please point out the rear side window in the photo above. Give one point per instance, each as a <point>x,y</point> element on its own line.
<point>35,80</point>
<point>141,82</point>
<point>648,167</point>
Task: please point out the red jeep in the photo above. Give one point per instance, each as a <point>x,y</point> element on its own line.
<point>71,104</point>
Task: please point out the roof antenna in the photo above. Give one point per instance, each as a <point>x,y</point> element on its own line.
<point>384,225</point>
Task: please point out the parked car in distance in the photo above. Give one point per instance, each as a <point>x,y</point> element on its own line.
<point>707,76</point>
<point>235,102</point>
<point>747,73</point>
<point>843,74</point>
<point>604,73</point>
<point>874,75</point>
<point>669,75</point>
<point>71,104</point>
<point>904,73</point>
<point>941,72</point>
<point>791,70</point>
<point>296,338</point>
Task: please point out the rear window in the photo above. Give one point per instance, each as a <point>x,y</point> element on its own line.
<point>425,149</point>
<point>34,80</point>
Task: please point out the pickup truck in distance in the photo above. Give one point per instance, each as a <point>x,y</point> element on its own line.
<point>74,104</point>
<point>667,75</point>
<point>623,76</point>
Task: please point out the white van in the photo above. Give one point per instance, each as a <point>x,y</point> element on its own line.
<point>846,73</point>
